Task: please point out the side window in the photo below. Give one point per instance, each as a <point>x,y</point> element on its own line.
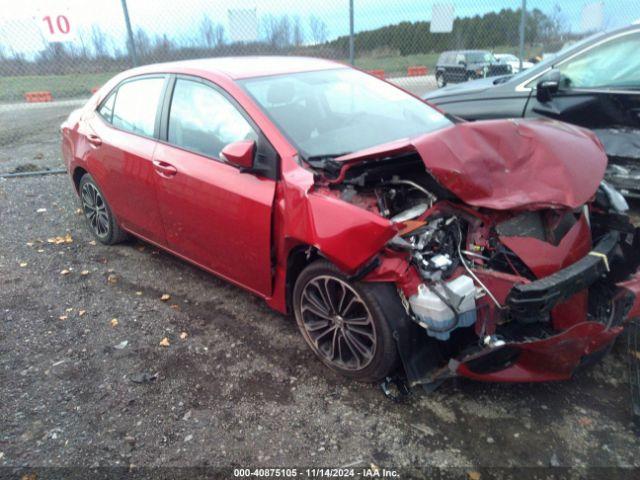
<point>203,120</point>
<point>106,110</point>
<point>136,104</point>
<point>614,64</point>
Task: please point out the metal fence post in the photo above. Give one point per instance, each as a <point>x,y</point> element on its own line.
<point>523,16</point>
<point>351,34</point>
<point>132,45</point>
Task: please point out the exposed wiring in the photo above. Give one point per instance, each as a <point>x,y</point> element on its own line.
<point>397,181</point>
<point>477,255</point>
<point>473,275</point>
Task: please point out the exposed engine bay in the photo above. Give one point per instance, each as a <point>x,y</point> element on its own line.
<point>487,279</point>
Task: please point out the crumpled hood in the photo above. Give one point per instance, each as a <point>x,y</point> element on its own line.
<point>509,164</point>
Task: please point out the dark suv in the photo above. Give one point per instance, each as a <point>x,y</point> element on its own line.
<point>462,65</point>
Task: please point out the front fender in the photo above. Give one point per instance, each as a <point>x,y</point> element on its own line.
<point>345,234</point>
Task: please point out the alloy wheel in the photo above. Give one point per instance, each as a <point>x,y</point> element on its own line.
<point>338,323</point>
<point>95,209</point>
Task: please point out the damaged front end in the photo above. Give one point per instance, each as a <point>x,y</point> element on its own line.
<point>513,262</point>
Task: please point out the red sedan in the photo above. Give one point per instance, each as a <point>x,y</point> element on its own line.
<point>400,238</point>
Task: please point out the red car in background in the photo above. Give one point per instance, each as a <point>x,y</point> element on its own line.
<point>401,239</point>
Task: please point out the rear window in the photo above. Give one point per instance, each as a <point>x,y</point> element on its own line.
<point>136,105</point>
<point>106,110</point>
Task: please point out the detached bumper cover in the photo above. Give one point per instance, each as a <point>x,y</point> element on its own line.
<point>554,358</point>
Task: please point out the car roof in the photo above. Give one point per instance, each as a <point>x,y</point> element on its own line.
<point>242,67</point>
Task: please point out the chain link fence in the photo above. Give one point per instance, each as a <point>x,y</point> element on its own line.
<point>68,47</point>
<point>59,51</point>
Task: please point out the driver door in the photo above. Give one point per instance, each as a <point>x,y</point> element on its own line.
<point>600,87</point>
<point>213,214</point>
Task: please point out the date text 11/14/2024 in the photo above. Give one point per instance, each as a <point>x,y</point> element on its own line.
<point>367,472</point>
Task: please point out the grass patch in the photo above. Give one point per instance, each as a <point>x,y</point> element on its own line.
<point>12,89</point>
<point>397,64</point>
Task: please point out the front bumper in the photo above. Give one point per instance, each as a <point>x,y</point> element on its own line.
<point>538,298</point>
<point>545,354</point>
<point>552,358</point>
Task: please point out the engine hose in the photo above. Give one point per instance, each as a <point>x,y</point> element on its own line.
<point>468,269</point>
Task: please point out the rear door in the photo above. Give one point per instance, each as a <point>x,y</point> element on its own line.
<point>122,135</point>
<point>213,213</point>
<point>459,68</point>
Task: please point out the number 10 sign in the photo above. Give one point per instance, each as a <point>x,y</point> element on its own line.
<point>56,25</point>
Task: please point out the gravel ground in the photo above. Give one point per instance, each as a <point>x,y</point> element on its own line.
<point>29,138</point>
<point>236,386</point>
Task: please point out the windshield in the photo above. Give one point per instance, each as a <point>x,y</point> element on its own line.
<point>480,57</point>
<point>549,61</point>
<point>328,113</point>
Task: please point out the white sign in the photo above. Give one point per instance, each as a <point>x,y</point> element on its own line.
<point>243,24</point>
<point>592,17</point>
<point>442,15</point>
<point>56,24</point>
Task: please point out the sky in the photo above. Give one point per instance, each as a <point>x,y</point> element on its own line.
<point>21,21</point>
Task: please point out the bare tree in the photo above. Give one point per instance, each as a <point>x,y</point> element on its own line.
<point>318,29</point>
<point>99,41</point>
<point>555,27</point>
<point>162,47</point>
<point>206,29</point>
<point>218,34</point>
<point>297,32</point>
<point>84,51</point>
<point>142,42</point>
<point>212,33</point>
<point>277,31</point>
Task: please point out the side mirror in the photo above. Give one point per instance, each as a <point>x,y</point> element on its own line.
<point>240,154</point>
<point>548,86</point>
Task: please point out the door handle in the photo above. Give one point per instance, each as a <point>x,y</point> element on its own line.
<point>94,140</point>
<point>164,168</point>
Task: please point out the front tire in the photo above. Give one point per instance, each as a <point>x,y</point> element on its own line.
<point>345,323</point>
<point>440,80</point>
<point>100,219</point>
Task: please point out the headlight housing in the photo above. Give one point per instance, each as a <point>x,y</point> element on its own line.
<point>616,199</point>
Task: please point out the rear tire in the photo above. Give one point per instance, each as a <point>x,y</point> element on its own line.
<point>100,219</point>
<point>440,80</point>
<point>345,323</point>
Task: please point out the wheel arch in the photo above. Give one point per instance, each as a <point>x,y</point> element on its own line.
<point>298,259</point>
<point>76,176</point>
